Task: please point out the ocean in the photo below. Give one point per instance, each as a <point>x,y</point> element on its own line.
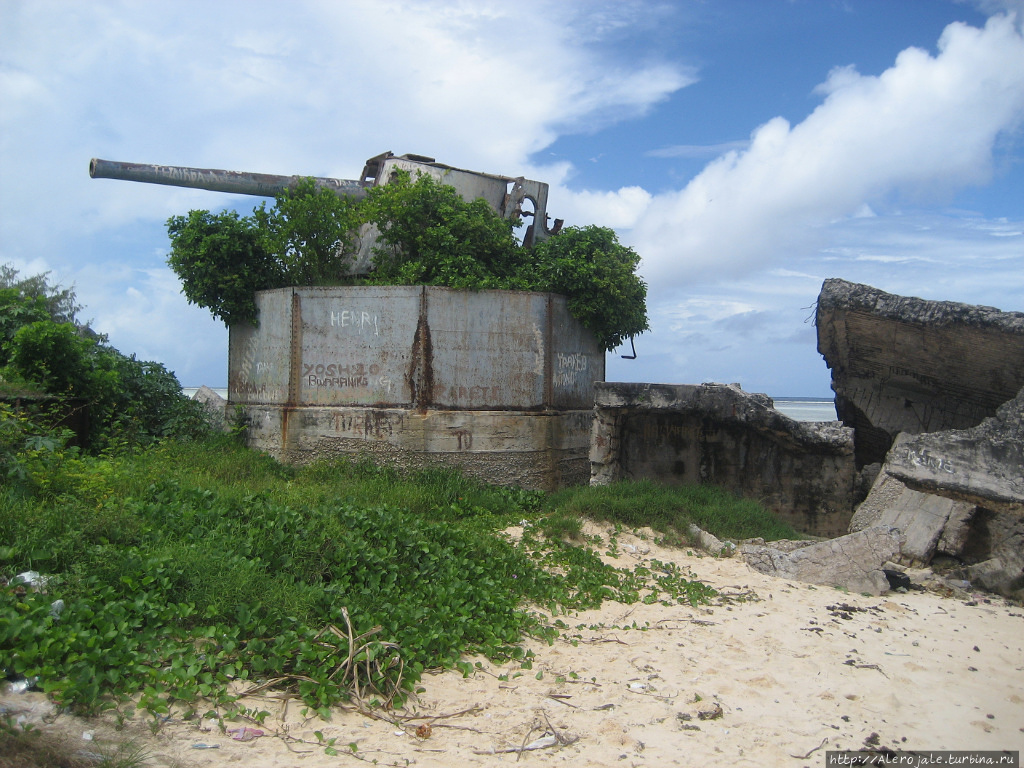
<point>799,408</point>
<point>806,408</point>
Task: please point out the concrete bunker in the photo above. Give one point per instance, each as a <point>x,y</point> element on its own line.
<point>720,435</point>
<point>497,383</point>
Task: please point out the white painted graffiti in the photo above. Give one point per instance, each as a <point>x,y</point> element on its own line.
<point>572,362</point>
<point>337,382</point>
<point>570,366</point>
<point>923,458</point>
<point>361,322</point>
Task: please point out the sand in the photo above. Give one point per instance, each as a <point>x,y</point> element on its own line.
<point>773,673</point>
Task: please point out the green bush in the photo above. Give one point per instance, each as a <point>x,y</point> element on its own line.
<point>44,351</point>
<point>426,235</point>
<point>429,235</point>
<point>16,311</point>
<point>222,260</point>
<point>58,357</point>
<point>31,451</point>
<point>59,303</point>
<point>130,402</point>
<point>598,275</point>
<point>312,232</point>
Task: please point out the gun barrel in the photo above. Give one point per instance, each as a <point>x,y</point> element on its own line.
<point>234,182</point>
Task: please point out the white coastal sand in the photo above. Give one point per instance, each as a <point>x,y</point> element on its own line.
<point>773,676</point>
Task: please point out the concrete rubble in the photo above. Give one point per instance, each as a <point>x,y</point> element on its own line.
<point>216,405</point>
<point>853,562</point>
<point>931,524</point>
<point>934,389</point>
<point>983,465</point>
<point>933,392</point>
<point>903,364</point>
<point>958,494</point>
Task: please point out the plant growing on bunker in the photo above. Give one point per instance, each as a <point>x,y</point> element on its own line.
<point>426,235</point>
<point>222,261</point>
<point>429,235</point>
<point>312,232</point>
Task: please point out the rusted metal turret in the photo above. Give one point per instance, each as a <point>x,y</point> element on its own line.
<point>506,194</point>
<point>233,182</point>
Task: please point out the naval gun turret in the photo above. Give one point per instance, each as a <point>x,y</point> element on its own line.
<point>511,197</point>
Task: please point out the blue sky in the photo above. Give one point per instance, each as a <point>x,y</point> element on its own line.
<point>748,149</point>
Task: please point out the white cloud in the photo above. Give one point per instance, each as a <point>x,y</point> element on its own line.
<point>316,86</point>
<point>313,88</point>
<point>617,209</point>
<point>309,87</point>
<point>924,126</point>
<point>699,151</point>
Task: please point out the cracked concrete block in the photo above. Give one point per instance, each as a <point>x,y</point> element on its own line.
<point>903,364</point>
<point>853,562</point>
<point>923,518</point>
<point>983,465</point>
<point>956,531</point>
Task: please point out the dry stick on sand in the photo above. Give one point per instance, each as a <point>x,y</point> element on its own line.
<point>804,757</point>
<point>551,738</point>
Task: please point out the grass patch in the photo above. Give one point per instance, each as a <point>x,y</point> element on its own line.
<point>29,747</point>
<point>670,509</point>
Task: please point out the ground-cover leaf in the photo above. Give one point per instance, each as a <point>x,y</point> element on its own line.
<point>180,577</point>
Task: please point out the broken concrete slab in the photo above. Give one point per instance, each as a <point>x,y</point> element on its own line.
<point>718,434</point>
<point>853,562</point>
<point>983,465</point>
<point>923,518</point>
<point>215,405</point>
<point>209,397</point>
<point>903,364</point>
<point>994,552</point>
<point>956,530</point>
<point>711,543</point>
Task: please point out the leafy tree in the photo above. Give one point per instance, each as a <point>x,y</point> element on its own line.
<point>17,310</point>
<point>55,356</point>
<point>60,303</point>
<point>31,299</point>
<point>222,261</point>
<point>598,275</point>
<point>146,403</point>
<point>311,232</point>
<point>130,402</point>
<point>429,235</point>
<point>426,235</point>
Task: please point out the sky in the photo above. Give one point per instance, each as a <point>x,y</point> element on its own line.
<point>747,149</point>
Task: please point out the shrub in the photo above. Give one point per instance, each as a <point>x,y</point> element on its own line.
<point>429,235</point>
<point>56,356</point>
<point>222,261</point>
<point>426,235</point>
<point>17,310</point>
<point>598,275</point>
<point>130,402</point>
<point>311,232</point>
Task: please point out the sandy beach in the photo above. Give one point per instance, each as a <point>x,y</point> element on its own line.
<point>773,672</point>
